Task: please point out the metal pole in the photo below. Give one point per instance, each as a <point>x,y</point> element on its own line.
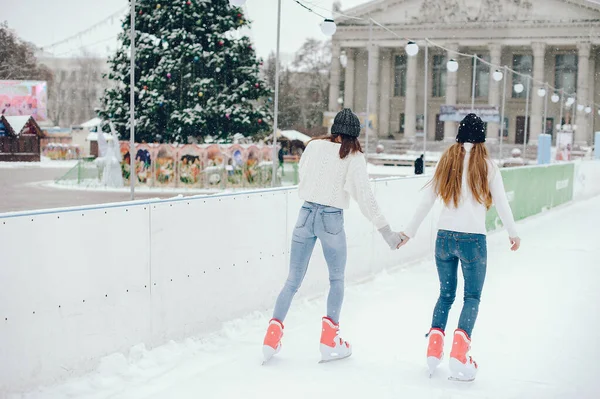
<point>369,67</point>
<point>132,104</point>
<point>561,110</point>
<point>425,95</point>
<point>276,110</point>
<point>474,81</point>
<point>545,112</point>
<point>526,127</point>
<point>502,117</point>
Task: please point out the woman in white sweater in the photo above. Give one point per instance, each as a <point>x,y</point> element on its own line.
<point>467,182</point>
<point>332,170</point>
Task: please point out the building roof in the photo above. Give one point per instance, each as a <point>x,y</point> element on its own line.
<point>295,135</point>
<point>16,124</point>
<point>92,123</point>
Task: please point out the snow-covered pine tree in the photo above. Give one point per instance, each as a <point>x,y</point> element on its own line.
<point>195,76</point>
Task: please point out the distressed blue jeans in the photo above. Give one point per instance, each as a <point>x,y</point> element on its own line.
<point>327,224</point>
<point>471,250</point>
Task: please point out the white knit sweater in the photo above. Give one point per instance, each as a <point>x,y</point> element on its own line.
<point>469,216</point>
<point>327,179</point>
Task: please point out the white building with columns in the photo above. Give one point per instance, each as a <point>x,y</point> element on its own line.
<point>554,41</point>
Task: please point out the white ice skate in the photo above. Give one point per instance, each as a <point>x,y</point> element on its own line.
<point>332,346</point>
<point>462,367</point>
<point>435,350</point>
<point>272,341</point>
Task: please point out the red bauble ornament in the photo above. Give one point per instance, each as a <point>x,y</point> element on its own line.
<point>221,42</point>
<point>145,87</point>
<point>189,3</point>
<point>257,85</point>
<point>141,12</point>
<point>227,116</point>
<point>260,121</point>
<point>239,15</point>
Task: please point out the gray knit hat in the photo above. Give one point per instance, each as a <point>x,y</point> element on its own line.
<point>346,123</point>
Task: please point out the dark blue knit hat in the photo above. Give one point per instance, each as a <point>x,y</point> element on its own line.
<point>346,123</point>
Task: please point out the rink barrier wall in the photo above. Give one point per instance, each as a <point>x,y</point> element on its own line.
<point>102,279</point>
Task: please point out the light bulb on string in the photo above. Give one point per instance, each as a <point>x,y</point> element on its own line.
<point>541,92</point>
<point>452,65</point>
<point>412,49</point>
<point>580,107</point>
<point>555,98</point>
<point>519,88</point>
<point>498,75</point>
<point>328,27</point>
<point>237,3</point>
<point>570,101</point>
<point>588,110</point>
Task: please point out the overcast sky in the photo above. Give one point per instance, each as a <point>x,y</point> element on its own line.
<point>45,22</point>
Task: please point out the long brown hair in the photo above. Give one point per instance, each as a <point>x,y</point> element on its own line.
<point>447,180</point>
<point>349,144</point>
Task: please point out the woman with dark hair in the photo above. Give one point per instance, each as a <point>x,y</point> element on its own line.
<point>332,169</point>
<point>467,182</point>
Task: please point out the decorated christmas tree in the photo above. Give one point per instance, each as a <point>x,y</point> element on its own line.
<point>195,76</point>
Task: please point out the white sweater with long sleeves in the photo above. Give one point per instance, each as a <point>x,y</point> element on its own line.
<point>469,216</point>
<point>327,179</point>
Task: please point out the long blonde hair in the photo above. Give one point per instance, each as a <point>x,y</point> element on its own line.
<point>447,180</point>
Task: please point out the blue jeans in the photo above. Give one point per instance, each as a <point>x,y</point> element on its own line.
<point>327,224</point>
<point>471,250</point>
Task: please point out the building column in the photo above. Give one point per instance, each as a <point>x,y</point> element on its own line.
<point>349,80</point>
<point>495,95</point>
<point>334,78</point>
<point>373,82</point>
<point>583,93</point>
<point>451,93</point>
<point>592,127</point>
<point>410,101</point>
<point>385,91</point>
<point>537,102</point>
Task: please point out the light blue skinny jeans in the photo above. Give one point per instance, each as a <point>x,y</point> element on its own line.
<point>327,224</point>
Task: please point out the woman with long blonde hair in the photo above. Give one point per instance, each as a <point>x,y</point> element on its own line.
<point>468,183</point>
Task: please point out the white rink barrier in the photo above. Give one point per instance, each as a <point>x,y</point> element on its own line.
<point>78,284</point>
<point>586,180</point>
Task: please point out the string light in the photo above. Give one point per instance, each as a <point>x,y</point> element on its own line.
<point>498,75</point>
<point>555,98</point>
<point>452,65</point>
<point>519,88</point>
<point>541,92</point>
<point>328,27</point>
<point>412,49</point>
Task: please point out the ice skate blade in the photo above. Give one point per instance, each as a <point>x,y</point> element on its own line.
<point>333,359</point>
<point>433,363</point>
<point>269,352</point>
<point>461,379</point>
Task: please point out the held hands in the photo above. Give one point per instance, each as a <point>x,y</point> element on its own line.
<point>393,239</point>
<point>515,243</point>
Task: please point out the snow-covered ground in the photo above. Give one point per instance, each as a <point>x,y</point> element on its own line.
<point>44,163</point>
<point>536,336</point>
